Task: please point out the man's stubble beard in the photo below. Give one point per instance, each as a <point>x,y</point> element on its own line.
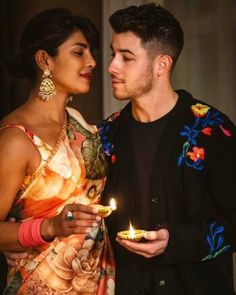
<point>144,85</point>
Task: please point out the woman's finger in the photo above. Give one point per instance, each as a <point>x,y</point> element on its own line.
<point>81,208</point>
<point>85,216</point>
<point>81,223</point>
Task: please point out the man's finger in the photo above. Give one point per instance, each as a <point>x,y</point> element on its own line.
<point>161,234</point>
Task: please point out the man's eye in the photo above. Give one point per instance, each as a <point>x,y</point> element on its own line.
<point>126,58</point>
<point>112,54</point>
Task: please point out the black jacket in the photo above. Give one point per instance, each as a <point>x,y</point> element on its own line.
<point>193,194</point>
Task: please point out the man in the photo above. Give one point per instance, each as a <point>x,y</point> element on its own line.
<point>172,167</point>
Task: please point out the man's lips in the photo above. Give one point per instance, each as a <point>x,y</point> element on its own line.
<point>116,81</point>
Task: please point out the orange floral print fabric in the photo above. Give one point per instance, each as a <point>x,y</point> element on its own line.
<point>77,264</point>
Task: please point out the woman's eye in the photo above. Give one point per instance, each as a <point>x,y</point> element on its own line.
<point>78,53</point>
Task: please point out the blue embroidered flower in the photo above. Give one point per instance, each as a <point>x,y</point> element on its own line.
<point>103,130</point>
<point>216,241</point>
<point>205,121</point>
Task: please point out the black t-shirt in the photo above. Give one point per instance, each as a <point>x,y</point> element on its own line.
<point>145,139</point>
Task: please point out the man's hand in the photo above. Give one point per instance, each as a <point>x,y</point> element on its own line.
<point>156,244</point>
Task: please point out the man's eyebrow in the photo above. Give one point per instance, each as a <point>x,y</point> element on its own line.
<point>123,50</point>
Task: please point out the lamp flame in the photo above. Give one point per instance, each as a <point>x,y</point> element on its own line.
<point>113,204</point>
<point>131,231</point>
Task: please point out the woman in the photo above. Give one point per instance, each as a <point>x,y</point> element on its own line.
<point>50,158</point>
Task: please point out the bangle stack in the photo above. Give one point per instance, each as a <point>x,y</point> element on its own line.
<point>29,233</point>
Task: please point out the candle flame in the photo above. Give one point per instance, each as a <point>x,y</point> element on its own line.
<point>113,204</point>
<point>131,231</point>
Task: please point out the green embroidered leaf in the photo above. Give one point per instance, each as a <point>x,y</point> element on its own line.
<point>185,148</point>
<point>70,134</point>
<point>94,159</point>
<point>93,155</point>
<point>14,286</point>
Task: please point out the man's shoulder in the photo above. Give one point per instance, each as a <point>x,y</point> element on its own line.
<point>199,107</point>
<point>114,120</point>
<point>107,126</point>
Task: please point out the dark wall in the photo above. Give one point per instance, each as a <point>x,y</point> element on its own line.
<point>207,65</point>
<point>13,16</point>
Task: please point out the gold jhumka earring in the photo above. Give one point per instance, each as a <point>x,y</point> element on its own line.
<point>47,88</point>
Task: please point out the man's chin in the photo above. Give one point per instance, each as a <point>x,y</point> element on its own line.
<point>119,96</point>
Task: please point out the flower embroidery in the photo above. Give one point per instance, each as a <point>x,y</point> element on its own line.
<point>199,110</point>
<point>216,241</point>
<point>205,122</point>
<point>103,130</point>
<point>197,154</point>
<point>225,131</point>
<point>207,131</point>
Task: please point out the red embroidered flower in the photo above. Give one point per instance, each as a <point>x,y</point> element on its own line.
<point>113,159</point>
<point>114,116</point>
<point>196,154</point>
<point>207,131</point>
<point>225,131</point>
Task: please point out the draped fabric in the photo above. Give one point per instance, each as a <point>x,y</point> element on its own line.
<point>78,264</point>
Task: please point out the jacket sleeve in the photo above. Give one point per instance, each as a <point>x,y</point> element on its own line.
<point>209,227</point>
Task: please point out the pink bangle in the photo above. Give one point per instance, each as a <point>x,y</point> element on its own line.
<point>29,233</point>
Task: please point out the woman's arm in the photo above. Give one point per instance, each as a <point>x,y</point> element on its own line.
<point>16,153</point>
<point>19,158</point>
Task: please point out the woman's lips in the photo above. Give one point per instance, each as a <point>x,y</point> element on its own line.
<point>87,76</point>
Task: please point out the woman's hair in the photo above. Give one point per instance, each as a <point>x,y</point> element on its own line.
<point>47,31</point>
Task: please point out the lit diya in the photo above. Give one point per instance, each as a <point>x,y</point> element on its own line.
<point>105,211</point>
<point>132,234</point>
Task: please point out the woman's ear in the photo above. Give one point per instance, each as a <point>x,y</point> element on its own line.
<point>42,59</point>
<point>163,64</point>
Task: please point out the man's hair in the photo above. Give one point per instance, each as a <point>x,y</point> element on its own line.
<point>158,29</point>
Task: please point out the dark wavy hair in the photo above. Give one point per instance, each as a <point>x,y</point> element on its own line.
<point>47,31</point>
<point>158,29</point>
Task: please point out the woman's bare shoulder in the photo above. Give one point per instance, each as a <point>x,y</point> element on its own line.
<point>14,141</point>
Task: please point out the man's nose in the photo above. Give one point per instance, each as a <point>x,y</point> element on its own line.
<point>113,66</point>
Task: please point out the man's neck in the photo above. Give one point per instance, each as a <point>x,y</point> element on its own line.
<point>154,105</point>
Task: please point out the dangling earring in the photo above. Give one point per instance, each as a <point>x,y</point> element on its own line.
<point>47,88</point>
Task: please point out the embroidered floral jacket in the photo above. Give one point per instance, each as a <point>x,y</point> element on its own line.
<point>193,194</point>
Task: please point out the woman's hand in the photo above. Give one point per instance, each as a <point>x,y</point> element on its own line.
<point>156,243</point>
<point>84,218</point>
<point>13,258</point>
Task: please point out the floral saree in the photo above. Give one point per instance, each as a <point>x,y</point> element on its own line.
<point>76,173</point>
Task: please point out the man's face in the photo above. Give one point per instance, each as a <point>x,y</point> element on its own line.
<point>131,69</point>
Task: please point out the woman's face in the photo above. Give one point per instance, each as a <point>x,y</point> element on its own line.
<point>73,65</point>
